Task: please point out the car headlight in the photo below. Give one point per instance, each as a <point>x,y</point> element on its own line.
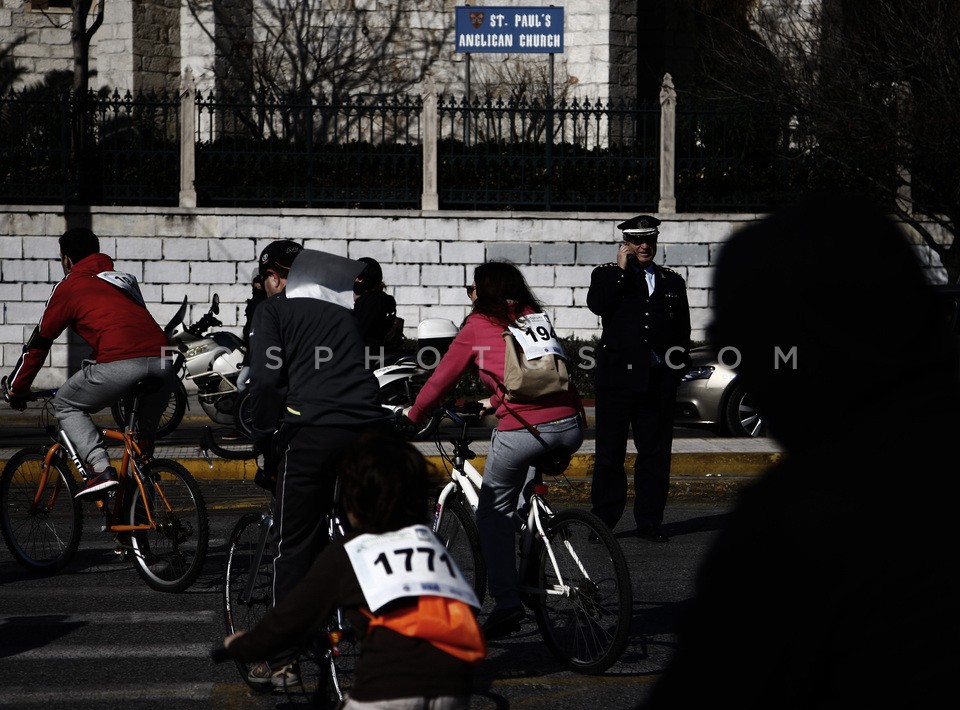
<point>702,372</point>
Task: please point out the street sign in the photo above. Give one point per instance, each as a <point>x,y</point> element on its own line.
<point>510,29</point>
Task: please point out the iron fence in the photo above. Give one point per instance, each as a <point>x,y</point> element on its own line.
<point>368,152</point>
<point>568,157</point>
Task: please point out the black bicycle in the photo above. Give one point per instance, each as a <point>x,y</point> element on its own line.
<point>328,659</point>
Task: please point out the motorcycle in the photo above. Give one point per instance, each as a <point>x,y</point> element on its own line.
<point>211,360</point>
<point>400,378</point>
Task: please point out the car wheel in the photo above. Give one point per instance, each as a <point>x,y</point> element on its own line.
<point>740,417</point>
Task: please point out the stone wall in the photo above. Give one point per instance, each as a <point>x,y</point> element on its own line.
<point>427,259</point>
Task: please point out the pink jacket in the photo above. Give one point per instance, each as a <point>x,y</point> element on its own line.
<point>479,344</point>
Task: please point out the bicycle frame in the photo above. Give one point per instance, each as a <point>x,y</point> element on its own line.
<point>465,478</point>
<point>128,470</point>
<point>535,530</point>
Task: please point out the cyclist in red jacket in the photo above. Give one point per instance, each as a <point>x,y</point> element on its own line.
<point>106,309</point>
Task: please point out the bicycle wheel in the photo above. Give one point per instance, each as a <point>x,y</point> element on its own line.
<point>328,664</point>
<point>248,580</point>
<point>585,620</point>
<point>41,528</point>
<point>169,420</point>
<point>458,531</point>
<point>170,556</point>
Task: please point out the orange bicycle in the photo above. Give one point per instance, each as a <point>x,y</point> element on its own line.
<point>157,512</point>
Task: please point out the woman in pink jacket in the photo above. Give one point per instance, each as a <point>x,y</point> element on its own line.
<point>500,295</point>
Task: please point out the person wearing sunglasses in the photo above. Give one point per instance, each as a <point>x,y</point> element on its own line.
<point>643,355</point>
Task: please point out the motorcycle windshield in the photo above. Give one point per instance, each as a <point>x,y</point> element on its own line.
<point>326,277</point>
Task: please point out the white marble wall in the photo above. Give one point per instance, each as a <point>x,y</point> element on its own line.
<point>427,258</point>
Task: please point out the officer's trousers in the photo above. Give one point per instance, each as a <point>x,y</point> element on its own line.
<point>649,415</point>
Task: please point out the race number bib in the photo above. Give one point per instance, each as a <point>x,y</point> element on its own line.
<point>127,282</point>
<point>406,563</point>
<point>535,334</point>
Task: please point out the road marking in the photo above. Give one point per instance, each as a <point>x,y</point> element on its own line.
<point>131,617</point>
<point>180,650</point>
<point>20,696</point>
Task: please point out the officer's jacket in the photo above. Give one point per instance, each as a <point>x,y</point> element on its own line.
<point>639,330</point>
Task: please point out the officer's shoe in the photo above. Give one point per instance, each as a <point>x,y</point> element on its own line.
<point>652,534</point>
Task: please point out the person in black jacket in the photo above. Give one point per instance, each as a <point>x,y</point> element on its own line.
<point>833,583</point>
<point>307,374</point>
<point>643,355</point>
<point>375,311</point>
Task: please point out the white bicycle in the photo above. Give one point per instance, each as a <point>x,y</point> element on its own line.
<point>573,574</point>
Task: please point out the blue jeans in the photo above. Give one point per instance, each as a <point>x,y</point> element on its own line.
<point>504,475</point>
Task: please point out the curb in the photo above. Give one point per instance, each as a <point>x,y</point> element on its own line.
<point>692,475</point>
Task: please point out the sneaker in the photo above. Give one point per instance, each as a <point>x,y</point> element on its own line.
<point>503,622</point>
<point>98,482</point>
<point>287,676</point>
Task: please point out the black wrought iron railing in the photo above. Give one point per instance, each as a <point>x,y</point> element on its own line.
<point>368,152</point>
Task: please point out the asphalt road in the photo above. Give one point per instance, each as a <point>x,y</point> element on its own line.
<point>95,636</point>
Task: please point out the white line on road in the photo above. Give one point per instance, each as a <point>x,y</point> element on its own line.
<point>181,650</point>
<point>119,617</point>
<point>20,696</point>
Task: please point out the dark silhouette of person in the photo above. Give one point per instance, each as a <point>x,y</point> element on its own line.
<point>834,582</point>
<point>376,312</point>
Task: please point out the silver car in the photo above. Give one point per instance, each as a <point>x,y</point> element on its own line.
<point>712,396</point>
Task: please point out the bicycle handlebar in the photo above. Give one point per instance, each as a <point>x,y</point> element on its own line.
<point>459,414</point>
<point>31,396</point>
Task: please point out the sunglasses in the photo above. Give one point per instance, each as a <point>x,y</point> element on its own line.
<point>470,290</point>
<point>638,240</point>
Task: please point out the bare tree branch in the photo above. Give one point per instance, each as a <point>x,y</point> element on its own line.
<point>874,86</point>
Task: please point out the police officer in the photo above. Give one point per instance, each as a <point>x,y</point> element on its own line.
<point>643,355</point>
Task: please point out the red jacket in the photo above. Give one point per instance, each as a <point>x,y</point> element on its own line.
<point>480,344</point>
<point>112,321</point>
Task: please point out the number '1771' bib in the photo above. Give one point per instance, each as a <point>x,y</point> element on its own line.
<point>409,562</point>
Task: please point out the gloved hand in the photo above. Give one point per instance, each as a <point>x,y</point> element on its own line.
<point>15,401</point>
<point>18,403</point>
<point>406,427</point>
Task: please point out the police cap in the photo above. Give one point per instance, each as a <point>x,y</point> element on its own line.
<point>640,226</point>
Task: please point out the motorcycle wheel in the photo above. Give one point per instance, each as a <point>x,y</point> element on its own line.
<point>243,414</point>
<point>169,420</point>
<point>220,406</point>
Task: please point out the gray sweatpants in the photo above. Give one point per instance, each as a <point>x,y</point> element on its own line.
<point>504,475</point>
<point>98,385</point>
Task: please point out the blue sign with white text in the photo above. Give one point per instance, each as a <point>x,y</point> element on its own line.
<point>510,29</point>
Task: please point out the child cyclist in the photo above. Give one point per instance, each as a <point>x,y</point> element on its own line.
<point>416,652</point>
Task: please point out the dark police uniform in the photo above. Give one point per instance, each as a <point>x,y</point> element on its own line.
<point>643,355</point>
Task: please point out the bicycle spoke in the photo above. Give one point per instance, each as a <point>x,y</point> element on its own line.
<point>169,556</point>
<point>584,609</point>
<point>41,528</point>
